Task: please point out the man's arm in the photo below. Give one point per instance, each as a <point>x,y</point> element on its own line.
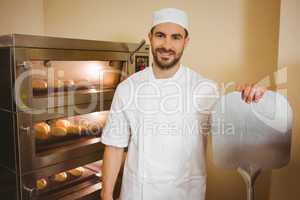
<point>112,161</point>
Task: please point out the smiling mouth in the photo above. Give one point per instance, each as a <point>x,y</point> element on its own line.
<point>165,54</point>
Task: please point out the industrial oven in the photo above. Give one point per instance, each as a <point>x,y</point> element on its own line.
<point>55,94</point>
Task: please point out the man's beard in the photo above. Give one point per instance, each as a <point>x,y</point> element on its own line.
<point>168,64</point>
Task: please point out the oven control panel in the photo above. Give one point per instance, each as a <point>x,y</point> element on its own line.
<point>141,62</point>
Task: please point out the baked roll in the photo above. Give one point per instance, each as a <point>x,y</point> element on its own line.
<point>39,84</point>
<point>41,184</point>
<point>102,120</point>
<point>69,83</point>
<point>61,177</point>
<point>62,123</point>
<point>41,130</point>
<point>56,84</point>
<point>77,171</point>
<point>74,130</point>
<point>94,128</point>
<point>58,131</point>
<point>84,125</point>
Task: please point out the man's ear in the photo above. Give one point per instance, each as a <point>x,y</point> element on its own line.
<point>186,41</point>
<point>150,35</point>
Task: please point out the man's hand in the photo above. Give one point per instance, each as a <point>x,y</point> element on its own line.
<point>251,93</point>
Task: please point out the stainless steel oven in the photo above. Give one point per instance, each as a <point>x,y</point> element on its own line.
<point>55,94</point>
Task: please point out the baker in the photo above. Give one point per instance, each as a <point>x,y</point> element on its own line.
<point>162,114</point>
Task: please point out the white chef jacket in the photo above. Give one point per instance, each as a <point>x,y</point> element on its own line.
<point>164,123</point>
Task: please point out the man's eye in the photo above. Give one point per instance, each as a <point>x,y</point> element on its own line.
<point>159,35</point>
<point>177,37</point>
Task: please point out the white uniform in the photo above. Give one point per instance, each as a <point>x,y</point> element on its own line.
<point>163,122</point>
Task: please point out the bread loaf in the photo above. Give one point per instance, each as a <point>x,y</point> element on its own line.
<point>77,171</point>
<point>74,130</point>
<point>61,177</point>
<point>39,84</point>
<point>56,84</point>
<point>41,184</point>
<point>84,125</point>
<point>41,130</point>
<point>102,120</point>
<point>69,83</point>
<point>94,128</point>
<point>62,123</point>
<point>58,131</point>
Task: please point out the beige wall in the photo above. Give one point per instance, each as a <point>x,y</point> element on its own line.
<point>231,40</point>
<point>22,16</point>
<point>237,35</point>
<point>285,182</point>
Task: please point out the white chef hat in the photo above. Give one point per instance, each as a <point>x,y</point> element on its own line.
<point>172,15</point>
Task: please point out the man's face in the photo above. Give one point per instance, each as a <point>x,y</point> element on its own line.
<point>168,41</point>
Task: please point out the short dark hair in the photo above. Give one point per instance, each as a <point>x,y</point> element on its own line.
<point>186,32</point>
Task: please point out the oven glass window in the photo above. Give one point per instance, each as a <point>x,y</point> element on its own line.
<point>87,177</point>
<point>86,88</point>
<point>50,77</point>
<point>55,134</point>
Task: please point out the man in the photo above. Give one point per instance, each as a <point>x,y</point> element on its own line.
<point>162,115</point>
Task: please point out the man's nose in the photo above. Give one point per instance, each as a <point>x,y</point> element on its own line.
<point>167,43</point>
